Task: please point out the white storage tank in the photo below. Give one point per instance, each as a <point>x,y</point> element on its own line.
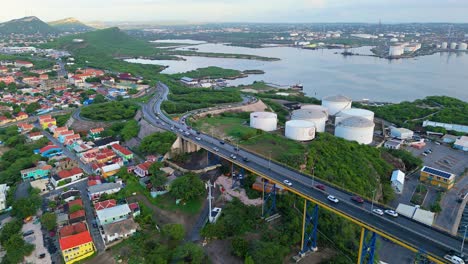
<point>355,128</point>
<point>453,45</point>
<point>315,108</point>
<point>300,130</point>
<point>462,46</point>
<point>444,45</point>
<point>396,50</point>
<point>336,103</point>
<point>354,112</point>
<point>318,117</point>
<point>265,121</point>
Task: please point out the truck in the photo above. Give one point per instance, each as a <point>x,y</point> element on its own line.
<point>454,259</point>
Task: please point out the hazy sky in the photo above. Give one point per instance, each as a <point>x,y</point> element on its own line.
<point>388,11</point>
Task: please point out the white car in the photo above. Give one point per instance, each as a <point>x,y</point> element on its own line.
<point>378,211</point>
<point>181,131</point>
<point>198,138</point>
<point>288,183</point>
<point>332,198</point>
<point>391,212</point>
<point>233,156</point>
<point>216,149</point>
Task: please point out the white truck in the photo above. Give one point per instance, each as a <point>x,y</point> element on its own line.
<point>454,259</point>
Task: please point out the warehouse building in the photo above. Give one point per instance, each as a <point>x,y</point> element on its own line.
<point>437,177</point>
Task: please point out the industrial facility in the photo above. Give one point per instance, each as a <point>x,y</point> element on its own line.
<point>336,103</point>
<point>355,128</point>
<point>401,133</point>
<point>266,121</point>
<point>300,130</point>
<point>354,112</point>
<point>318,117</point>
<point>316,107</point>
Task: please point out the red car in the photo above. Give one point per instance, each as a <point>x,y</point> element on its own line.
<point>320,187</point>
<point>357,199</point>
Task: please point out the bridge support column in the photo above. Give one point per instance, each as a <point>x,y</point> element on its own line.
<point>269,200</point>
<point>367,247</point>
<point>309,228</point>
<point>212,159</point>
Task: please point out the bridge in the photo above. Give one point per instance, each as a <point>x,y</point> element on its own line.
<point>429,241</point>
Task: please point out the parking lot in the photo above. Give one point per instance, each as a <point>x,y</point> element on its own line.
<point>37,240</point>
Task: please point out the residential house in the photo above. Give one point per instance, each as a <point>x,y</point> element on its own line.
<point>461,143</point>
<point>71,138</point>
<point>95,133</point>
<point>70,195</point>
<point>398,181</point>
<point>77,203</point>
<point>66,176</point>
<point>41,171</point>
<point>69,230</point>
<point>46,122</point>
<point>135,208</point>
<point>105,204</point>
<point>119,230</point>
<point>3,195</point>
<point>49,151</point>
<point>142,170</point>
<point>21,116</point>
<point>110,170</point>
<point>54,84</point>
<point>392,144</point>
<point>43,77</point>
<point>3,69</point>
<point>5,120</point>
<point>113,214</point>
<point>64,134</point>
<point>26,64</point>
<point>7,79</point>
<point>25,127</point>
<point>77,246</point>
<point>34,136</point>
<point>437,177</point>
<point>58,130</point>
<point>127,78</point>
<point>96,191</point>
<point>122,152</point>
<point>104,142</point>
<point>76,217</point>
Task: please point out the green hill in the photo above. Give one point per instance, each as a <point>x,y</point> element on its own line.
<point>70,25</point>
<point>28,26</point>
<point>105,42</point>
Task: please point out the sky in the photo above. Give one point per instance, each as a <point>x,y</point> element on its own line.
<point>199,11</point>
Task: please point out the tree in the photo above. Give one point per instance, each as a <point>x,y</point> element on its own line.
<point>99,98</point>
<point>187,187</point>
<point>32,107</point>
<point>190,252</point>
<point>160,142</point>
<point>12,87</point>
<point>9,229</point>
<point>2,86</point>
<point>174,231</point>
<point>248,260</point>
<point>17,249</point>
<point>75,208</point>
<point>49,221</point>
<point>158,177</point>
<point>25,207</point>
<point>130,130</point>
<point>240,246</point>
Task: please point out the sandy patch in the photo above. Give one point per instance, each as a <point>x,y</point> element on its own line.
<point>229,193</point>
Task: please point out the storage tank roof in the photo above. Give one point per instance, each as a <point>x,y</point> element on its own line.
<point>263,115</point>
<point>300,123</point>
<point>356,112</point>
<point>337,98</point>
<point>308,114</point>
<point>356,121</point>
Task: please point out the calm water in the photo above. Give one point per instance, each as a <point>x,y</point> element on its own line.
<point>324,73</point>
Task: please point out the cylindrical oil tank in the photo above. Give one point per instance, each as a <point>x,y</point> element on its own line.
<point>336,103</point>
<point>315,107</point>
<point>354,112</point>
<point>462,46</point>
<point>318,117</point>
<point>355,128</point>
<point>300,130</point>
<point>265,121</point>
<point>453,45</point>
<point>444,45</point>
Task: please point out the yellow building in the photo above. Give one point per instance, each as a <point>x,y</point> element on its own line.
<point>437,177</point>
<point>76,247</point>
<point>46,122</point>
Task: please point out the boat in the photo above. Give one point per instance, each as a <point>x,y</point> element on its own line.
<point>297,86</point>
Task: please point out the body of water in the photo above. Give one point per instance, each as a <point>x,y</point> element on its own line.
<point>323,73</point>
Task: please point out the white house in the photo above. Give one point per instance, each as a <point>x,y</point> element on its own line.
<point>96,191</point>
<point>392,144</point>
<point>461,143</point>
<point>113,214</point>
<point>66,176</point>
<point>398,181</point>
<point>188,81</point>
<point>142,170</point>
<point>3,194</point>
<point>119,230</point>
<point>401,133</point>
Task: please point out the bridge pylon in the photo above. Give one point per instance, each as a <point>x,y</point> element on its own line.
<point>309,228</point>
<point>212,158</point>
<point>269,200</point>
<point>367,247</point>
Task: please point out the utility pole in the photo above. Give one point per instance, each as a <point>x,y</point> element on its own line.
<point>208,186</point>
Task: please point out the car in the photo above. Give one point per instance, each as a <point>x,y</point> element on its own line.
<point>221,142</point>
<point>28,233</point>
<point>41,256</point>
<point>245,159</point>
<point>172,128</point>
<point>437,143</point>
<point>236,149</point>
<point>391,212</point>
<point>180,130</point>
<point>216,149</point>
<point>357,199</point>
<point>233,156</point>
<point>377,211</point>
<point>187,133</point>
<point>332,198</point>
<point>424,154</point>
<point>320,187</point>
<point>198,138</point>
<point>198,132</point>
<point>288,183</point>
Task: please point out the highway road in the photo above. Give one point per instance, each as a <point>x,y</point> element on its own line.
<point>402,230</point>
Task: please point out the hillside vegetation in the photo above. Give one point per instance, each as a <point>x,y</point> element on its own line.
<point>70,25</point>
<point>28,26</point>
<point>209,72</point>
<point>111,111</point>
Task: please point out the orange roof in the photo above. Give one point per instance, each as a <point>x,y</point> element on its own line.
<point>77,214</point>
<point>69,230</point>
<point>97,130</point>
<point>121,149</point>
<point>75,202</point>
<point>75,240</point>
<point>105,204</point>
<point>145,166</point>
<point>44,117</point>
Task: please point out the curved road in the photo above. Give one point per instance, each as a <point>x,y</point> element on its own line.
<point>401,230</point>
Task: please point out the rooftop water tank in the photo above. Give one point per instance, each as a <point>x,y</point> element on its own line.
<point>355,128</point>
<point>318,117</point>
<point>336,103</point>
<point>300,130</point>
<point>265,121</point>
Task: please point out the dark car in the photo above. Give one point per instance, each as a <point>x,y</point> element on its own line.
<point>221,142</point>
<point>357,199</point>
<point>41,256</point>
<point>236,148</point>
<point>246,159</point>
<point>320,187</point>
